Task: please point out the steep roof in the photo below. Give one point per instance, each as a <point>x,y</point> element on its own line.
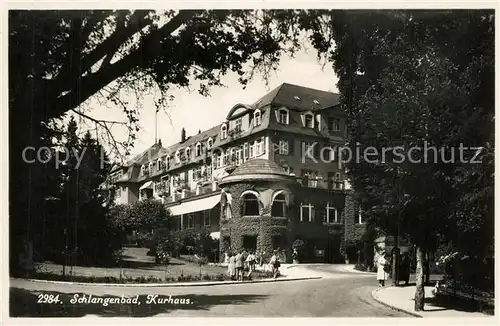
<point>298,98</point>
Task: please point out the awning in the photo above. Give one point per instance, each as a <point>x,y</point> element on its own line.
<point>147,185</point>
<point>215,235</point>
<point>195,205</point>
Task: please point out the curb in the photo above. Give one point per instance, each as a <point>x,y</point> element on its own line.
<point>171,284</point>
<point>374,296</point>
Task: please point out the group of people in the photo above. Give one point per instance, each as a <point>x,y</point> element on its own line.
<point>383,267</point>
<point>246,261</point>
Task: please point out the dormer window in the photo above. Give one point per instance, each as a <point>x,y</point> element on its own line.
<point>210,143</point>
<point>159,165</point>
<point>237,125</point>
<point>143,170</point>
<point>151,165</point>
<point>316,102</point>
<point>197,149</point>
<point>223,131</point>
<point>188,153</point>
<point>167,162</point>
<point>308,120</point>
<point>282,116</point>
<point>257,117</point>
<point>177,157</point>
<point>334,124</point>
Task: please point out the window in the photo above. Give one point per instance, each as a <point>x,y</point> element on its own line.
<point>177,157</point>
<point>306,212</point>
<point>262,146</point>
<point>258,148</point>
<point>283,147</point>
<point>237,125</point>
<point>223,131</point>
<point>309,150</point>
<point>218,160</point>
<point>245,151</point>
<point>330,215</point>
<point>251,150</point>
<point>360,216</point>
<point>334,124</point>
<point>278,209</point>
<point>143,170</point>
<point>210,143</point>
<point>238,157</point>
<point>188,153</point>
<point>118,192</point>
<point>308,120</point>
<point>167,162</point>
<point>257,117</point>
<point>226,157</point>
<point>249,205</point>
<point>282,116</point>
<point>151,168</point>
<point>197,150</point>
<point>159,165</point>
<point>206,217</point>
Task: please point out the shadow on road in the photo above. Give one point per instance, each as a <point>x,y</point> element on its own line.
<point>24,303</point>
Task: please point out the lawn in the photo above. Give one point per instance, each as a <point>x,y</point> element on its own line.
<point>136,264</point>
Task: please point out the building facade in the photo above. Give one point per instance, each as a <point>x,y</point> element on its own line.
<point>267,175</point>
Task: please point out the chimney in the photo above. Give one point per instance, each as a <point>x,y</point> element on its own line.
<point>159,142</point>
<point>199,131</point>
<point>183,135</point>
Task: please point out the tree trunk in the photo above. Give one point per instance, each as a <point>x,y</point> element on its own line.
<point>419,290</point>
<point>427,268</point>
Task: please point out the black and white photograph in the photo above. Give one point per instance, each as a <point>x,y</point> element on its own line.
<point>250,162</point>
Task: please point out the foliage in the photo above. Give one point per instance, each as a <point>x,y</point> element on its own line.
<point>298,244</point>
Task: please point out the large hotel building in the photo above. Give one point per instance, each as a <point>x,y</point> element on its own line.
<point>264,177</point>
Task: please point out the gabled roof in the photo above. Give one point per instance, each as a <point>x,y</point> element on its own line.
<point>298,98</point>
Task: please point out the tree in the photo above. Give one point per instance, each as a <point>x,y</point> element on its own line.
<point>63,58</point>
<point>408,78</point>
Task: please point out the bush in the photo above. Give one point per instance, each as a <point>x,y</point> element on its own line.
<point>361,267</point>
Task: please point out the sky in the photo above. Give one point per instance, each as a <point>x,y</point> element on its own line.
<point>192,111</point>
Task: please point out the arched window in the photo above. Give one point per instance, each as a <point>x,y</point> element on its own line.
<point>188,153</point>
<point>282,116</point>
<point>308,120</point>
<point>159,165</point>
<point>177,157</point>
<point>257,117</point>
<point>223,131</point>
<point>198,150</point>
<point>151,170</point>
<point>143,170</point>
<point>249,204</point>
<point>167,162</point>
<point>210,143</point>
<point>278,209</point>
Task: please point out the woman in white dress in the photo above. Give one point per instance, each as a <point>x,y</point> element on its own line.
<point>381,274</point>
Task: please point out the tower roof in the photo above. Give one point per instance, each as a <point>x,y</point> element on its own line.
<point>258,170</point>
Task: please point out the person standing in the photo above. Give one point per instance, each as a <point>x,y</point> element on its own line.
<point>405,268</point>
<point>231,266</point>
<point>381,273</point>
<point>275,264</point>
<point>251,264</point>
<point>239,266</point>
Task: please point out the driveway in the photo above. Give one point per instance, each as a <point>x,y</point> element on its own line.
<point>338,294</point>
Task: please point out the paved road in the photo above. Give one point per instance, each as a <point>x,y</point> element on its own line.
<point>341,295</point>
